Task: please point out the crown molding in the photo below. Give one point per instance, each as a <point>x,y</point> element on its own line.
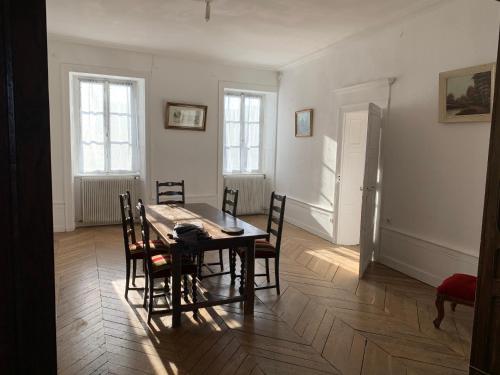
<point>417,11</point>
<point>53,37</point>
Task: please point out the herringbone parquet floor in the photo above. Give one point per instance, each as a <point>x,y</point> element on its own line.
<point>324,322</point>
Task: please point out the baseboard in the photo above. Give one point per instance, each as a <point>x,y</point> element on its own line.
<point>422,259</point>
<point>59,216</point>
<point>311,218</point>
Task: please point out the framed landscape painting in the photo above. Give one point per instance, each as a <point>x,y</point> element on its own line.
<point>466,95</point>
<point>303,123</point>
<point>185,116</point>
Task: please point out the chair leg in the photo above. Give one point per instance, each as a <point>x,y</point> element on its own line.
<point>201,260</point>
<point>243,272</point>
<point>151,298</point>
<point>146,280</point>
<point>127,279</point>
<point>167,285</point>
<point>134,271</point>
<point>440,310</point>
<point>194,293</point>
<point>186,288</point>
<point>277,274</point>
<point>453,306</point>
<point>221,260</point>
<point>232,265</point>
<point>267,270</point>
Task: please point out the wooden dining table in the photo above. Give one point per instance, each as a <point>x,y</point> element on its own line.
<point>162,219</point>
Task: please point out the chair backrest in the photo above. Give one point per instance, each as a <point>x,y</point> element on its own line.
<point>275,219</point>
<point>127,221</point>
<point>230,201</point>
<point>145,234</point>
<point>172,196</point>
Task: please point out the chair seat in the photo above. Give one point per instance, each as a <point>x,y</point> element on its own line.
<point>154,245</point>
<point>263,249</point>
<point>459,286</point>
<point>162,263</point>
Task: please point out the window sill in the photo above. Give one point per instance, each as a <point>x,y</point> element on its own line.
<point>136,175</point>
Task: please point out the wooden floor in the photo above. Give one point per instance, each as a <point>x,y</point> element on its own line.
<point>324,322</point>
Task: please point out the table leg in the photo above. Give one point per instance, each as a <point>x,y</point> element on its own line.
<point>250,278</point>
<point>176,288</point>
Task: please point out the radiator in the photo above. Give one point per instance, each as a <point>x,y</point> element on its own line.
<point>251,192</point>
<point>99,196</point>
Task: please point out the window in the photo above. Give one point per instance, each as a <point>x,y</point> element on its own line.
<point>106,129</point>
<point>242,133</point>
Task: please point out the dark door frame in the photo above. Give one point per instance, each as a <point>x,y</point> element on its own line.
<point>485,352</point>
<point>27,307</point>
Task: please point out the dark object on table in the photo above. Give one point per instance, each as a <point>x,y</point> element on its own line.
<point>190,232</point>
<point>233,231</point>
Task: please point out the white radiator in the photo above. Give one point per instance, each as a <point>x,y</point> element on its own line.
<point>100,202</point>
<point>251,192</point>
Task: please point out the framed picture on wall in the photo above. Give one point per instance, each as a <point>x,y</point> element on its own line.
<point>303,123</point>
<point>466,95</point>
<point>185,116</point>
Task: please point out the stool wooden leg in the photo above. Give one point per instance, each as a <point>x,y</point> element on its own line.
<point>440,310</point>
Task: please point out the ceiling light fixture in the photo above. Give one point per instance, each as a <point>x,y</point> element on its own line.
<point>207,10</point>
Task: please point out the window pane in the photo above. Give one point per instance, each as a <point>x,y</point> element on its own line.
<point>92,158</point>
<point>119,98</point>
<point>252,109</point>
<point>253,159</point>
<point>121,157</point>
<point>232,159</point>
<point>92,127</point>
<point>253,134</point>
<point>120,128</point>
<point>91,96</point>
<point>232,105</point>
<point>232,133</point>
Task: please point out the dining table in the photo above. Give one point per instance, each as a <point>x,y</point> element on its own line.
<point>162,218</point>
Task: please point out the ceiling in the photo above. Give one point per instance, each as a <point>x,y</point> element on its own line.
<point>263,33</point>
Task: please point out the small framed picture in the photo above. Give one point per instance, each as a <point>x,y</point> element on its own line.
<point>466,95</point>
<point>303,123</point>
<point>185,116</point>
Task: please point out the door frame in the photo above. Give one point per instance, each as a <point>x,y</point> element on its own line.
<point>28,313</point>
<point>340,151</point>
<point>340,141</point>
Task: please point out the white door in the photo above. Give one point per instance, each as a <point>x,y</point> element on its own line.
<point>368,210</point>
<point>354,133</point>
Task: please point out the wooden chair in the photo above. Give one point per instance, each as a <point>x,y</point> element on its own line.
<point>173,196</point>
<point>459,289</point>
<point>134,250</point>
<point>264,249</point>
<point>159,266</point>
<point>229,206</point>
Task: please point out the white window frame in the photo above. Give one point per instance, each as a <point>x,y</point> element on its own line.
<point>135,171</point>
<point>243,154</point>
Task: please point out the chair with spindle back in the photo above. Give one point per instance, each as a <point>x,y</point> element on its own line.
<point>172,196</point>
<point>134,250</point>
<point>159,266</point>
<point>229,206</point>
<point>265,249</point>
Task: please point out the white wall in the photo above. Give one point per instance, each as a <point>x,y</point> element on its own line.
<point>173,154</point>
<point>434,174</point>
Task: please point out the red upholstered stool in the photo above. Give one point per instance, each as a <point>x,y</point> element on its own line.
<point>459,289</point>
